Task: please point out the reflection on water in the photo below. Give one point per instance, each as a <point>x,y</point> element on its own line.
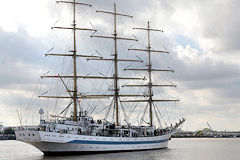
<point>146,155</point>
<point>179,149</point>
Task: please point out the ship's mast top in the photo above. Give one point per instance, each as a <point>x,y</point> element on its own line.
<point>115,58</point>
<point>149,70</point>
<point>74,55</point>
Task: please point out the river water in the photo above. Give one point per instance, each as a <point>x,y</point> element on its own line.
<point>179,149</point>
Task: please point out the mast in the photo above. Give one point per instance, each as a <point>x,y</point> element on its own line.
<point>149,77</point>
<point>149,70</point>
<point>74,63</point>
<point>115,66</point>
<point>115,59</point>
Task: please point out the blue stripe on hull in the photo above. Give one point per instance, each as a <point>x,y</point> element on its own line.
<point>117,142</point>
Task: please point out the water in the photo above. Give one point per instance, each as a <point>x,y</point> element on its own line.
<point>179,149</point>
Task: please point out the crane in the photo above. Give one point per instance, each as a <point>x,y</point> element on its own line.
<point>209,126</point>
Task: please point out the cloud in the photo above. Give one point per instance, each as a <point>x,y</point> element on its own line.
<point>20,58</point>
<point>211,23</point>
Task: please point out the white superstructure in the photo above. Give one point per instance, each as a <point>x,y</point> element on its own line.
<point>89,136</point>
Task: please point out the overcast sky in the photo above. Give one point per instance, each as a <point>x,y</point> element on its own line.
<point>202,36</point>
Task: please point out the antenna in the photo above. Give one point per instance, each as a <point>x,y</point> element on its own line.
<point>41,112</point>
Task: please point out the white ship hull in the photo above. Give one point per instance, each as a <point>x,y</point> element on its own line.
<point>59,143</point>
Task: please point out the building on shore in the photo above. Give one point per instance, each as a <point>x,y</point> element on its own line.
<point>206,132</point>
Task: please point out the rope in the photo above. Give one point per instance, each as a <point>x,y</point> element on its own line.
<point>142,119</point>
<point>159,122</point>
<point>124,113</point>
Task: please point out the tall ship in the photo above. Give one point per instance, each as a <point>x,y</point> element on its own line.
<point>81,133</point>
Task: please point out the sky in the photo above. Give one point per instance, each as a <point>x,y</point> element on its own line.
<point>202,38</point>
